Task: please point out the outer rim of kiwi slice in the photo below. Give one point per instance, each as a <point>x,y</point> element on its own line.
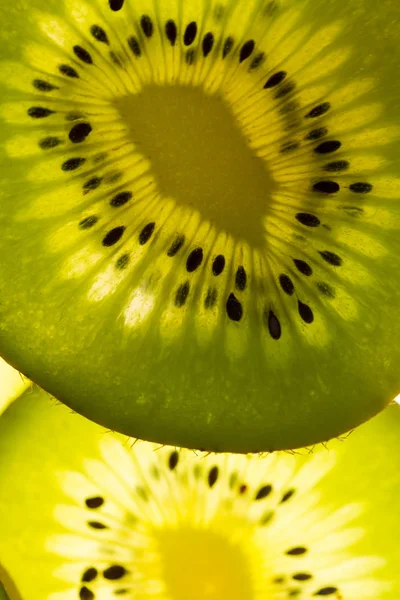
<point>42,484</point>
<point>254,363</point>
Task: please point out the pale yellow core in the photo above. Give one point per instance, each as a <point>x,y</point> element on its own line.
<point>200,157</point>
<point>203,565</point>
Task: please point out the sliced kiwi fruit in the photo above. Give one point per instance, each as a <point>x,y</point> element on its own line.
<point>88,514</point>
<point>200,215</point>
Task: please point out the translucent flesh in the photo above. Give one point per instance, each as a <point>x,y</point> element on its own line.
<point>36,487</point>
<point>133,338</point>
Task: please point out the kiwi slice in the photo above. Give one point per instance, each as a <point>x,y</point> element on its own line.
<point>200,215</point>
<point>157,522</point>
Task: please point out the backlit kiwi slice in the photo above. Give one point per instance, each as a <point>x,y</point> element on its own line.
<point>89,516</point>
<point>200,215</point>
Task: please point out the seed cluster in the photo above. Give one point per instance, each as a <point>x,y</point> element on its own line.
<point>318,141</point>
<point>119,574</point>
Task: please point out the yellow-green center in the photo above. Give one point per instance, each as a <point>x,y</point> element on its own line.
<point>200,564</point>
<point>200,157</point>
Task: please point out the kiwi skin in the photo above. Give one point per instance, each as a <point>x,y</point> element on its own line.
<point>181,393</point>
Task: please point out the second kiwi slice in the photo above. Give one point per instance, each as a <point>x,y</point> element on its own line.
<point>200,217</point>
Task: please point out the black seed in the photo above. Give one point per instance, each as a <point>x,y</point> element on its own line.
<point>274,325</point>
<point>194,260</point>
<point>263,492</point>
<point>99,34</point>
<point>208,43</point>
<point>287,496</point>
<point>267,518</point>
<point>257,61</point>
<point>294,593</point>
<point>190,33</point>
<point>155,471</point>
<point>305,312</point>
<point>134,45</point>
<point>171,32</point>
<point>85,593</point>
<point>88,222</point>
<point>190,56</point>
<point>316,134</point>
<point>49,142</point>
<point>302,576</point>
<point>94,502</point>
<point>44,86</point>
<point>147,26</point>
<point>83,55</point>
<point>285,90</point>
<point>72,163</point>
<point>289,147</point>
<point>308,219</point>
<point>303,267</point>
<point>122,262</point>
<point>278,580</point>
<point>297,551</point>
<point>79,132</point>
<point>247,50</point>
<point>234,308</point>
<point>286,284</point>
<point>331,258</point>
<point>38,112</point>
<point>116,4</point>
<point>275,79</point>
<point>113,236</point>
<point>182,294</point>
<point>361,188</point>
<point>176,246</point>
<point>89,575</point>
<point>287,108</point>
<point>228,45</point>
<point>68,71</point>
<point>146,233</point>
<point>242,489</point>
<point>213,476</point>
<point>115,59</point>
<point>97,525</point>
<point>211,298</point>
<point>100,157</point>
<point>173,460</point>
<point>326,591</point>
<point>233,479</point>
<point>197,471</point>
<point>319,110</point>
<point>114,572</point>
<point>337,165</point>
<point>241,279</point>
<point>326,187</point>
<point>326,289</point>
<point>121,199</point>
<point>327,147</point>
<point>218,265</point>
<point>92,184</point>
<point>122,591</point>
<point>142,492</point>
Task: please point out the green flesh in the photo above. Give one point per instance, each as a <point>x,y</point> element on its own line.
<point>37,488</point>
<point>296,340</point>
<point>3,594</point>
